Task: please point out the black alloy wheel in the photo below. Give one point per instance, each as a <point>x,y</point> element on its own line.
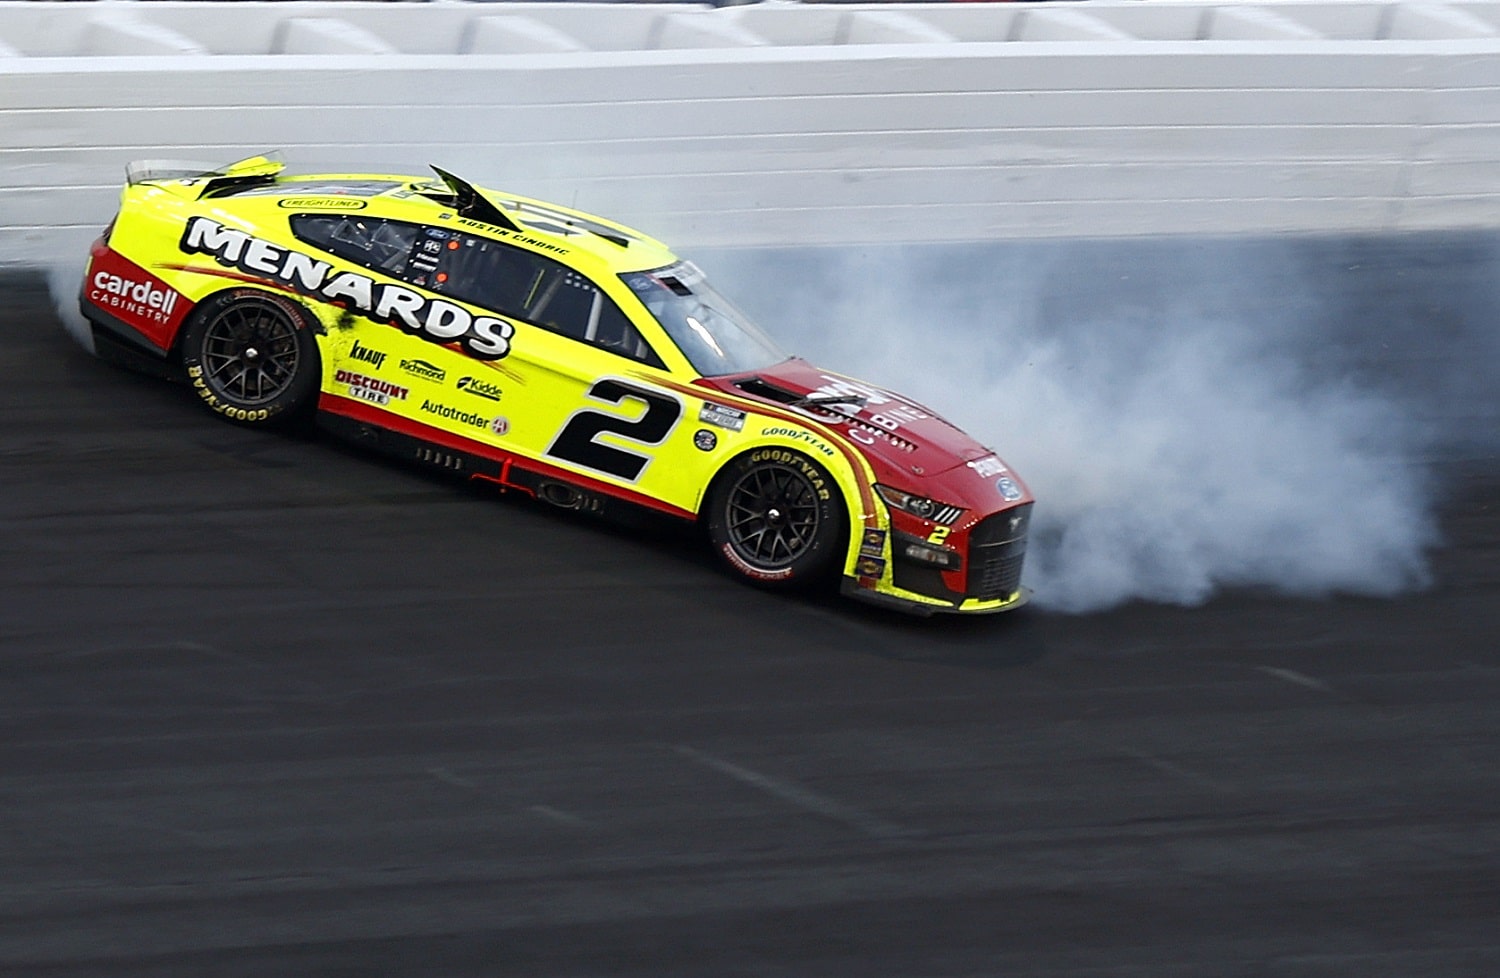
<point>774,517</point>
<point>251,356</point>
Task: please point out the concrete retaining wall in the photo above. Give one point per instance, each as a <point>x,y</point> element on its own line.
<point>785,124</point>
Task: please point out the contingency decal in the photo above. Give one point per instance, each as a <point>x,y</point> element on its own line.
<point>722,415</point>
<point>434,320</point>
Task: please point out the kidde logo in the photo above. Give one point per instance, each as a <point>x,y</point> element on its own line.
<point>480,388</point>
<point>139,298</point>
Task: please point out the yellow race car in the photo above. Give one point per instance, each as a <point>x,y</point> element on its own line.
<point>552,353</point>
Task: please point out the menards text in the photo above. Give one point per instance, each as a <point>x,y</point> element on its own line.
<point>435,320</point>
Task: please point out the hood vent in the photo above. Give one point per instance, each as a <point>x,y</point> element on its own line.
<point>760,387</point>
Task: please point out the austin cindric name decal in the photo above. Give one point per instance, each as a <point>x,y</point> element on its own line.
<point>435,320</point>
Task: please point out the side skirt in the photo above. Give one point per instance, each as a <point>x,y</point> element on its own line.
<point>505,475</point>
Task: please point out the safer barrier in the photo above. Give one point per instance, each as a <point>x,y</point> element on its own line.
<point>785,123</point>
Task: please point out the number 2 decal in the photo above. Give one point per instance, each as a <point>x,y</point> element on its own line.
<point>578,441</point>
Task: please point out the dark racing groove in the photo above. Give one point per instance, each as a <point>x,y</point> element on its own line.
<point>272,707</point>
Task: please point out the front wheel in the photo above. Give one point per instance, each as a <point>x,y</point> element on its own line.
<point>774,516</point>
<point>251,357</point>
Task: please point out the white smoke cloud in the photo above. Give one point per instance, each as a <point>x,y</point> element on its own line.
<point>1174,447</point>
<point>63,280</point>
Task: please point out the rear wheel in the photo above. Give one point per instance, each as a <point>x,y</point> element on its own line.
<point>775,517</point>
<point>251,357</point>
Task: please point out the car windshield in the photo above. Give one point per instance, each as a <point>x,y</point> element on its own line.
<point>716,337</point>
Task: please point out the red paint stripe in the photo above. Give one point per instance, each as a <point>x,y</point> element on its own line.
<point>370,414</point>
<point>226,273</point>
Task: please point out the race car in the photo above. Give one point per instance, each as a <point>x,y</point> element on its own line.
<point>547,352</point>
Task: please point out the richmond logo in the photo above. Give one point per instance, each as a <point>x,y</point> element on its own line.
<point>423,369</point>
<point>434,320</point>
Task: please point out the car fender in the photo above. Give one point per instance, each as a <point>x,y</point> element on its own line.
<point>851,473</point>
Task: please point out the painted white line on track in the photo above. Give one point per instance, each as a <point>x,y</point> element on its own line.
<point>1296,678</point>
<point>811,801</point>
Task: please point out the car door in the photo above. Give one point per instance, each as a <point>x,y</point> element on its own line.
<point>580,388</point>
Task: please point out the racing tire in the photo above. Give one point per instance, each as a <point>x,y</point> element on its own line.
<point>252,358</point>
<point>775,517</point>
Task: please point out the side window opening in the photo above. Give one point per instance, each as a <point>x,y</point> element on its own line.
<point>484,272</point>
<point>372,242</point>
<point>532,288</point>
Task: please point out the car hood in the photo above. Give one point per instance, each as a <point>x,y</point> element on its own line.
<point>891,430</point>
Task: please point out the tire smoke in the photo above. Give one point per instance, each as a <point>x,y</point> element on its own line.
<point>63,281</point>
<point>1185,414</point>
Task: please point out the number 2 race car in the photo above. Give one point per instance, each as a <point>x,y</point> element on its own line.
<point>549,352</point>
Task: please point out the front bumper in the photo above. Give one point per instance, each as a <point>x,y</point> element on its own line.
<point>993,552</point>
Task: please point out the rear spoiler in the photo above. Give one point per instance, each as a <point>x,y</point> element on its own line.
<point>254,169</point>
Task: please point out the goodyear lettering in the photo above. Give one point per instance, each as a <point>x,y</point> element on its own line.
<point>785,456</point>
<point>212,399</point>
<point>434,320</point>
<point>807,438</point>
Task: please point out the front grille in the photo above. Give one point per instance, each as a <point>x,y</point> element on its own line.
<point>996,571</point>
<point>997,549</point>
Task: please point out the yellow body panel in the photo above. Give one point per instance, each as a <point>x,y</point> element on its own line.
<point>549,400</point>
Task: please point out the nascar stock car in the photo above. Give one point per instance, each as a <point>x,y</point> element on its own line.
<point>549,352</point>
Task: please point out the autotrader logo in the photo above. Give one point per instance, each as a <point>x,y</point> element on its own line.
<point>454,414</point>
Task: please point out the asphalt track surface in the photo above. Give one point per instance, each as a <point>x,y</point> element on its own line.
<point>271,706</point>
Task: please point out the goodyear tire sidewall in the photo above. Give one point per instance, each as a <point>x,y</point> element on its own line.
<point>820,559</point>
<point>290,404</point>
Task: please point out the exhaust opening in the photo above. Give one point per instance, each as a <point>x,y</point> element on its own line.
<point>562,495</point>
